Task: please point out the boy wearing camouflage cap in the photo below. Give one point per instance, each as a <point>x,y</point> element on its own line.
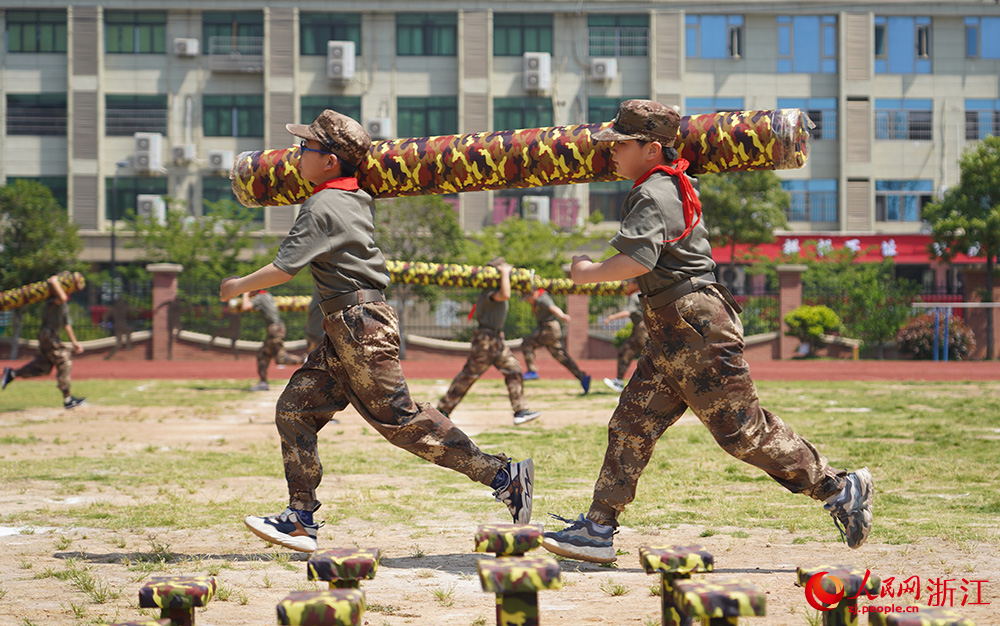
<point>694,355</point>
<point>357,362</point>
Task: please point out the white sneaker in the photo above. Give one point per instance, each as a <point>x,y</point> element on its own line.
<point>522,417</point>
<point>616,384</point>
<point>285,529</point>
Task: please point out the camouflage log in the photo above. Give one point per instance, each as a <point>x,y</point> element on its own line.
<point>720,602</point>
<point>508,539</point>
<point>674,563</point>
<point>854,581</point>
<point>533,157</point>
<point>177,596</point>
<point>343,568</point>
<point>36,292</point>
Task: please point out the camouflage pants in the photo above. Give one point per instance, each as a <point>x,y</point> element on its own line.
<point>51,353</point>
<point>274,348</point>
<point>549,335</point>
<point>694,359</point>
<point>358,364</point>
<point>631,348</point>
<point>488,349</point>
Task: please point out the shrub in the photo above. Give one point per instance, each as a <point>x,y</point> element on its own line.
<point>623,334</point>
<point>809,323</point>
<point>917,338</point>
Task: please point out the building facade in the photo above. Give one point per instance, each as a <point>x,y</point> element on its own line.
<point>116,104</point>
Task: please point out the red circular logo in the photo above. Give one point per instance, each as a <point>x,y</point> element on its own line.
<point>821,599</point>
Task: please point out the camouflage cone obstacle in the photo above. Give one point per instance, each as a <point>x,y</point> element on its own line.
<point>534,157</point>
<point>36,292</point>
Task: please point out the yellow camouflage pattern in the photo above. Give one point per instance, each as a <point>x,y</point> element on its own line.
<point>36,292</point>
<point>330,607</point>
<point>519,574</point>
<point>343,567</point>
<point>674,563</point>
<point>508,539</point>
<point>177,592</point>
<point>719,599</point>
<point>925,616</point>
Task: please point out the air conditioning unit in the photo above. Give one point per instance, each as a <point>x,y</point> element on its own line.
<point>186,47</point>
<point>220,160</point>
<point>603,69</point>
<point>340,60</point>
<point>379,127</point>
<point>537,71</point>
<point>536,208</point>
<point>183,153</point>
<point>151,207</point>
<point>148,152</point>
<point>734,278</point>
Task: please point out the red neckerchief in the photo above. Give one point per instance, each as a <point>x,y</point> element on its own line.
<point>689,199</point>
<point>347,183</point>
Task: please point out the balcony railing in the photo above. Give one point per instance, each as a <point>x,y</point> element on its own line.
<point>36,122</point>
<point>618,41</point>
<point>127,122</point>
<point>236,54</point>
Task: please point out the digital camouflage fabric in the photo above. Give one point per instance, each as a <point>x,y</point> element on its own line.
<point>331,607</point>
<point>36,292</point>
<point>344,567</point>
<point>532,157</point>
<point>508,539</point>
<point>722,599</point>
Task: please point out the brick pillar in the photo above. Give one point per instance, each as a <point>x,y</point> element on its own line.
<point>789,299</point>
<point>164,292</point>
<point>974,281</point>
<point>578,327</point>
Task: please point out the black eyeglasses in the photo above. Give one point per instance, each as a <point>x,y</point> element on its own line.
<point>304,147</point>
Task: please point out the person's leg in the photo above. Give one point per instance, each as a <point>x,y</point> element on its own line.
<point>551,338</point>
<point>505,361</point>
<point>477,363</point>
<point>42,363</point>
<point>264,355</point>
<point>528,345</point>
<point>631,349</point>
<point>281,356</point>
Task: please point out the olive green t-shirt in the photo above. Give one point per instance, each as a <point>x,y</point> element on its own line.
<point>263,302</point>
<point>55,316</point>
<point>489,313</point>
<point>541,309</point>
<point>652,214</point>
<point>334,234</point>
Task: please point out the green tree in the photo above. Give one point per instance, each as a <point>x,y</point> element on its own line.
<point>969,216</point>
<point>743,207</point>
<point>37,240</point>
<point>808,324</point>
<point>877,303</point>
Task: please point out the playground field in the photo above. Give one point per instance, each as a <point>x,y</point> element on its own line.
<point>155,474</point>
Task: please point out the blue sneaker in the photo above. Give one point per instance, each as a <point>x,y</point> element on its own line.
<point>517,495</point>
<point>285,529</point>
<point>585,383</point>
<point>530,375</point>
<point>8,375</point>
<point>581,540</point>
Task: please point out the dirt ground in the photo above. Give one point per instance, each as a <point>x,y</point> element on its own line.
<point>426,577</point>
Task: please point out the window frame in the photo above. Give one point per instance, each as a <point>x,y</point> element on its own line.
<point>544,33</point>
<point>411,109</point>
<point>339,26</point>
<point>883,198</point>
<point>155,121</point>
<point>54,123</point>
<point>504,109</point>
<point>311,106</point>
<point>154,24</point>
<point>443,33</point>
<point>975,108</point>
<point>825,39</point>
<point>38,24</point>
<point>695,40</point>
<point>618,23</point>
<point>892,115</point>
<point>250,105</point>
<point>812,198</point>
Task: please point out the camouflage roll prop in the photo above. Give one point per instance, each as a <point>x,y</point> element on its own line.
<point>484,277</point>
<point>533,157</point>
<point>36,292</point>
<point>284,303</point>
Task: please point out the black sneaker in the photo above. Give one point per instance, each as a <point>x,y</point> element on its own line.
<point>522,417</point>
<point>851,509</point>
<point>285,529</point>
<point>72,402</point>
<point>8,375</point>
<point>581,541</point>
<point>260,386</point>
<point>517,495</point>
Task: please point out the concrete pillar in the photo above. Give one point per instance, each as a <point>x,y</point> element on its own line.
<point>164,293</point>
<point>789,299</point>
<point>578,327</point>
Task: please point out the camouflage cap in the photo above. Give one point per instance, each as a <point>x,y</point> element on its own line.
<point>338,133</point>
<point>642,119</point>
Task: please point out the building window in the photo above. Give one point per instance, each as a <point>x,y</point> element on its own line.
<point>126,115</point>
<point>605,109</point>
<point>315,29</point>
<point>807,44</point>
<point>607,198</point>
<point>904,119</point>
<point>982,37</point>
<point>128,188</point>
<point>618,35</point>
<point>218,189</point>
<point>902,200</point>
<point>234,42</point>
<point>714,36</point>
<point>426,34</point>
<point>135,32</point>
<point>36,31</point>
<point>902,45</point>
<point>702,106</point>
<point>517,113</point>
<point>517,33</point>
<point>425,117</point>
<point>812,200</point>
<point>233,116</point>
<point>822,112</point>
<point>982,118</point>
<point>312,106</point>
<point>232,24</point>
<point>36,114</point>
<point>56,184</point>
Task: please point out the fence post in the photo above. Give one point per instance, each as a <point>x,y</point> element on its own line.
<point>789,299</point>
<point>164,293</point>
<point>578,327</point>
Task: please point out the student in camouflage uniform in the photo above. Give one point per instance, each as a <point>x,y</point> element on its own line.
<point>548,333</point>
<point>488,348</point>
<point>632,346</point>
<point>51,351</point>
<point>358,361</point>
<point>694,356</point>
<point>274,343</point>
